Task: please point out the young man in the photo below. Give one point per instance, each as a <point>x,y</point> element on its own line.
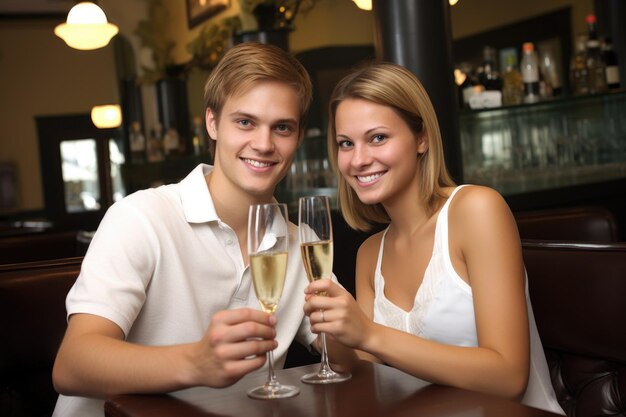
<point>164,299</point>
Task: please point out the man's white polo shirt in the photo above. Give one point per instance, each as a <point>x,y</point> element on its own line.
<point>162,263</point>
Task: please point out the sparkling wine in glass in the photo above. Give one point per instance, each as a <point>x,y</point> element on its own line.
<point>268,244</point>
<point>316,245</point>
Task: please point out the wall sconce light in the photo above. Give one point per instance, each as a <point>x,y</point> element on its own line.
<point>86,27</point>
<point>106,116</point>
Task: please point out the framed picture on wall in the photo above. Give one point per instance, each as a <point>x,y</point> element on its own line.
<point>200,10</point>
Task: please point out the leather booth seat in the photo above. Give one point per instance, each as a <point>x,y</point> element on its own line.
<point>585,223</point>
<point>39,246</point>
<point>32,324</point>
<point>578,294</point>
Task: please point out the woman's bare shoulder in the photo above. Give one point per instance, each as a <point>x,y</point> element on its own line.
<point>478,200</point>
<point>368,251</point>
<point>366,259</point>
<point>479,210</point>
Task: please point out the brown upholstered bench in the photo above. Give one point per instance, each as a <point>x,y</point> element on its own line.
<point>585,223</point>
<point>578,293</point>
<point>39,246</point>
<point>32,324</point>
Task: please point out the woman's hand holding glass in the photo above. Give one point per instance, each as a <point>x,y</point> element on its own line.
<point>343,319</point>
<point>316,244</point>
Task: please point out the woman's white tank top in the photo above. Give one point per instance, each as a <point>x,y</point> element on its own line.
<point>443,311</point>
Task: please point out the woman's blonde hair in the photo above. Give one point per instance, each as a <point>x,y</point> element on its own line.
<point>394,86</point>
<point>248,63</point>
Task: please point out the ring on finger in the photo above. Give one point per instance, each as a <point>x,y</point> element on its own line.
<point>322,313</point>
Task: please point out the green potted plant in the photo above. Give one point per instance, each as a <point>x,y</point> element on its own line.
<point>275,14</point>
<point>155,55</point>
<point>214,36</point>
<point>211,42</point>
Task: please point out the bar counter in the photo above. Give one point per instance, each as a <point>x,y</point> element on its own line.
<point>374,390</point>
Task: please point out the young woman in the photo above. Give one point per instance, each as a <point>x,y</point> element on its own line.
<point>441,291</point>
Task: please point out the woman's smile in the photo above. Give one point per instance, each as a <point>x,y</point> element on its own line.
<point>377,152</point>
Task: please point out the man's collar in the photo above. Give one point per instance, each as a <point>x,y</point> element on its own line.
<point>195,196</point>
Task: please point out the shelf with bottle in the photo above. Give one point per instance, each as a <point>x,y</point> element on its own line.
<point>166,143</point>
<point>138,176</point>
<point>310,172</point>
<point>536,106</point>
<point>163,156</point>
<point>594,67</point>
<point>544,73</point>
<point>546,145</point>
<point>534,76</point>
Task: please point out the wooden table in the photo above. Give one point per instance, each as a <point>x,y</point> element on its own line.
<point>374,390</point>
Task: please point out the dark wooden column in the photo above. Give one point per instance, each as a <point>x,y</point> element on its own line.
<point>417,35</point>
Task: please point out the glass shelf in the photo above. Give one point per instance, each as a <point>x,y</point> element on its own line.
<point>310,174</point>
<point>547,145</point>
<point>516,150</point>
<point>141,175</point>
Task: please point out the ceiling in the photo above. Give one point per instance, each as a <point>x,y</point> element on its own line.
<point>35,6</point>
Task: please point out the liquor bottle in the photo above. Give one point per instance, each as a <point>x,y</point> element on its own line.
<point>489,77</point>
<point>137,143</point>
<point>460,79</point>
<point>530,73</point>
<point>171,142</point>
<point>198,139</point>
<point>595,63</point>
<point>155,144</point>
<point>512,83</point>
<point>579,76</point>
<point>468,84</point>
<point>612,67</point>
<point>550,74</point>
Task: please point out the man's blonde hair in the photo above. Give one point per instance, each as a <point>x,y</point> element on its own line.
<point>248,63</point>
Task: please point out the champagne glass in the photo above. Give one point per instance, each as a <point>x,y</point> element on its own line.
<point>268,244</point>
<point>316,244</point>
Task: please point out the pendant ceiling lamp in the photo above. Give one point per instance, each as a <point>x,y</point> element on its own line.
<point>86,27</point>
<point>363,4</point>
<point>106,116</point>
<point>367,4</point>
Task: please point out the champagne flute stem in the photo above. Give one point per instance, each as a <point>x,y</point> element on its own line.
<point>325,366</point>
<point>272,382</point>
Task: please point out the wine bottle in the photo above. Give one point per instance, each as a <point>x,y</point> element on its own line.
<point>612,67</point>
<point>578,68</point>
<point>595,63</point>
<point>512,83</point>
<point>490,77</point>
